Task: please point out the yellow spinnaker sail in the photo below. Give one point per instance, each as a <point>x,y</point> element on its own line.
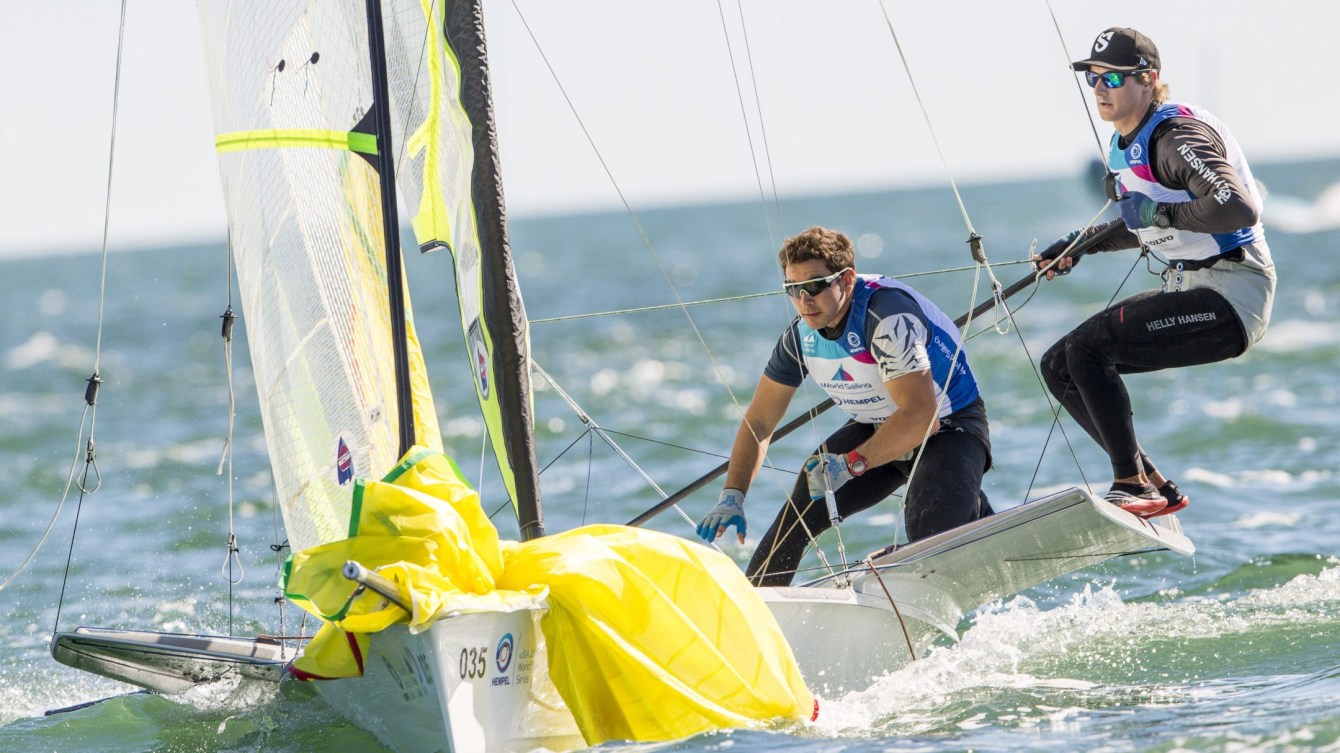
<point>683,643</point>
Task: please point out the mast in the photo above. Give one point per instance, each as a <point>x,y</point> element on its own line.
<point>395,284</point>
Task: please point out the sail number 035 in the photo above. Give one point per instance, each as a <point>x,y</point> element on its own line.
<point>474,663</point>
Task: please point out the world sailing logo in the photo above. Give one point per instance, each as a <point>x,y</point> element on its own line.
<point>344,463</point>
<point>842,375</point>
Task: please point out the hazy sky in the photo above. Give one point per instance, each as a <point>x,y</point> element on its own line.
<point>653,83</point>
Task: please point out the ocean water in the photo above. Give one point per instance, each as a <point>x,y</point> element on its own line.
<point>1234,649</point>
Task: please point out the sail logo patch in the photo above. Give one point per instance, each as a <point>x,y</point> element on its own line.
<point>344,463</point>
<point>481,356</point>
<point>503,656</point>
<point>482,368</point>
<point>843,375</point>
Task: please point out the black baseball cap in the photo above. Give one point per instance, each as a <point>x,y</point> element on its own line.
<point>1121,49</point>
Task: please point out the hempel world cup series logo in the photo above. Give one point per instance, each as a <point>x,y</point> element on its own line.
<point>503,656</point>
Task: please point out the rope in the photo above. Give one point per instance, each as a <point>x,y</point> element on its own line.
<point>898,613</point>
<point>69,482</point>
<point>231,557</point>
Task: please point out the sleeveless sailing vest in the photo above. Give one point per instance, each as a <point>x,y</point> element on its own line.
<point>1135,174</point>
<point>847,371</point>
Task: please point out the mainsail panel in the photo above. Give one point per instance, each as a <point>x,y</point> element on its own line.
<point>290,88</point>
<point>448,174</point>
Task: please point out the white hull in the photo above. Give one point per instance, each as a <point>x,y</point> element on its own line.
<point>458,687</point>
<point>845,638</point>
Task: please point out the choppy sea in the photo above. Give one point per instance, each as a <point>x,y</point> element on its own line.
<point>1234,649</point>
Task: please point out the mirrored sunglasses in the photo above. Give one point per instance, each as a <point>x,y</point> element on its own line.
<point>1111,79</point>
<point>813,287</point>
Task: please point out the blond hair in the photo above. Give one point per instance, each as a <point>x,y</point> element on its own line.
<point>1160,88</point>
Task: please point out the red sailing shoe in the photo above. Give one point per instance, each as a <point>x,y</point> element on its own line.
<point>1141,500</point>
<point>1175,498</point>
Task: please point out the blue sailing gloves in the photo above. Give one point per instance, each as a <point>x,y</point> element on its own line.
<point>1137,210</point>
<point>728,512</point>
<point>826,471</point>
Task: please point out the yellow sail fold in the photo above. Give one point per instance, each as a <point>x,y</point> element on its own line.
<point>683,643</point>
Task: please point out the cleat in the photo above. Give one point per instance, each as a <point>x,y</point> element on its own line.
<point>1141,500</point>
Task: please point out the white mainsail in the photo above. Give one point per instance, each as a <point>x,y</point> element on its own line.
<point>291,94</point>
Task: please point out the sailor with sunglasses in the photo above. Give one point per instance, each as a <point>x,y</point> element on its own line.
<point>1187,197</point>
<point>895,363</point>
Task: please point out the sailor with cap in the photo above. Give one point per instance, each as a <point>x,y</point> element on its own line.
<point>1187,197</point>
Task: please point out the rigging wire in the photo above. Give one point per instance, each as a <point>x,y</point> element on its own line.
<point>1084,98</point>
<point>717,369</point>
<point>679,302</point>
<point>586,418</point>
<point>226,457</point>
<point>926,115</point>
<point>89,416</point>
<point>662,307</point>
<point>744,118</point>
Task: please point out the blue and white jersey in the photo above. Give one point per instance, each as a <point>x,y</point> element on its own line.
<point>1135,174</point>
<point>891,331</point>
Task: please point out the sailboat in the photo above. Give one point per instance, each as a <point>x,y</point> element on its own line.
<point>330,115</point>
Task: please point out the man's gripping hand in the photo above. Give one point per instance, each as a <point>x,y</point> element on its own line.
<point>728,512</point>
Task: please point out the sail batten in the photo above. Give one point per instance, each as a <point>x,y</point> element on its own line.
<point>275,138</point>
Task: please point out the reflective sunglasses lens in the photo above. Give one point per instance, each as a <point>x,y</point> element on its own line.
<point>810,288</point>
<point>1111,79</point>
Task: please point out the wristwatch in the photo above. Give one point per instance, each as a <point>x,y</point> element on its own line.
<point>856,463</point>
<point>1162,217</point>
